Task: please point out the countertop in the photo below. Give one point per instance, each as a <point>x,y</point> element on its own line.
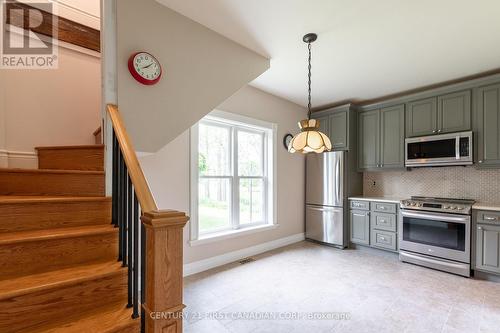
<point>486,206</point>
<point>379,199</point>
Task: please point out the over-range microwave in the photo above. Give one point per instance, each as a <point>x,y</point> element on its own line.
<point>439,150</point>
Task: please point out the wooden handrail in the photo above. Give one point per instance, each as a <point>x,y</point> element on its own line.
<point>142,190</point>
<point>161,239</point>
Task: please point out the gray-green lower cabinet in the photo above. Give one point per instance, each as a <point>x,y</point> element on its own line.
<point>487,126</point>
<point>488,248</point>
<point>360,227</point>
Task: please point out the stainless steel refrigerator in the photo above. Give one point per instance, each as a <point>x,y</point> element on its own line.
<point>328,184</point>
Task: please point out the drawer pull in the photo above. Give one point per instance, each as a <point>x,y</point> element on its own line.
<point>479,228</point>
<point>489,218</point>
<point>383,221</point>
<point>382,208</point>
<point>382,238</point>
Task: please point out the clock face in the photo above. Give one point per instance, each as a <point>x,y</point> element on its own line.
<point>145,68</point>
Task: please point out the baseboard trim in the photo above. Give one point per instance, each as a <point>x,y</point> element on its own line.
<point>18,159</point>
<point>206,264</point>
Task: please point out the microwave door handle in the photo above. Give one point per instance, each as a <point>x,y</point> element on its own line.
<point>457,147</point>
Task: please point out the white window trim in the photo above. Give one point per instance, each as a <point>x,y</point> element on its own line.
<point>271,195</point>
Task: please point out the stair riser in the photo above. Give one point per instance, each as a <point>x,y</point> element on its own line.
<point>51,215</point>
<point>64,184</point>
<point>71,159</point>
<point>20,313</point>
<point>24,258</point>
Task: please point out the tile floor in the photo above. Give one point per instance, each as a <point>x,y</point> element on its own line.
<point>379,294</point>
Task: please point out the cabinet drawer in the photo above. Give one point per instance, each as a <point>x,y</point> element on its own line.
<point>383,207</point>
<point>489,217</point>
<point>383,221</point>
<point>383,239</point>
<point>360,205</point>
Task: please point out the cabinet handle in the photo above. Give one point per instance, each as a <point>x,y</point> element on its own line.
<point>382,238</point>
<point>480,161</point>
<point>439,131</point>
<point>489,218</point>
<point>434,131</point>
<point>479,228</point>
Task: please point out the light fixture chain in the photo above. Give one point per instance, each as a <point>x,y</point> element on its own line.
<point>309,83</point>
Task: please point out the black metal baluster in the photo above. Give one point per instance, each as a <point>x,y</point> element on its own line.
<point>114,217</point>
<point>123,230</point>
<point>119,204</point>
<point>135,279</point>
<point>143,275</point>
<point>131,221</point>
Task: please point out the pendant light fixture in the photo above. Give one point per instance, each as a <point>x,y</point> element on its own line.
<point>310,139</point>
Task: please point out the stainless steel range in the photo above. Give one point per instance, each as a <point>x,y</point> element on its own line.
<point>436,232</point>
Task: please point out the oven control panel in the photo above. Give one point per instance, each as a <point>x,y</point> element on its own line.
<point>445,207</point>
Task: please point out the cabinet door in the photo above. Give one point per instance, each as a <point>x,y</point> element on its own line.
<point>338,130</point>
<point>488,126</point>
<point>392,137</point>
<point>360,227</point>
<point>421,117</point>
<point>368,139</point>
<point>488,248</point>
<point>454,112</point>
<point>324,125</point>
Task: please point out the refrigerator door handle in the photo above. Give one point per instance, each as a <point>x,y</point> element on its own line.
<point>337,180</point>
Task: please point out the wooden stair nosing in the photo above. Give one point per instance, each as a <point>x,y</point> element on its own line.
<point>13,199</point>
<point>58,233</point>
<point>115,319</point>
<point>51,171</point>
<point>95,146</point>
<point>56,279</point>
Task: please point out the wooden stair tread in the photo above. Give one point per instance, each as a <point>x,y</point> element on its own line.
<point>9,199</point>
<point>51,171</point>
<point>38,235</point>
<point>96,146</point>
<point>55,279</point>
<point>114,319</point>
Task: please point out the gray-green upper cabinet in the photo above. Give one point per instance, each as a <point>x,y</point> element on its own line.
<point>421,117</point>
<point>369,139</point>
<point>324,125</point>
<point>438,115</point>
<point>487,125</point>
<point>381,138</point>
<point>454,112</point>
<point>392,137</point>
<point>339,124</point>
<point>338,129</point>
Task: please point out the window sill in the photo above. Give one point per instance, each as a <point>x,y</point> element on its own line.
<point>215,237</point>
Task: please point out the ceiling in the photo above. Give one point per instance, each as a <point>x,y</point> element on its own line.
<point>365,48</point>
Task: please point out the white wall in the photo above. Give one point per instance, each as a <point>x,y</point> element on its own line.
<point>200,70</point>
<point>52,107</point>
<point>167,172</point>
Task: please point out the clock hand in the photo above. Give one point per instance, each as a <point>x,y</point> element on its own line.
<point>148,65</point>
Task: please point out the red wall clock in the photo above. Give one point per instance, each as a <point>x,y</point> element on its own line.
<point>145,68</point>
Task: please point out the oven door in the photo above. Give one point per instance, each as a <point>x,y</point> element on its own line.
<point>436,234</point>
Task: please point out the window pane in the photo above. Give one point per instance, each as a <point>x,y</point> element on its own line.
<point>250,154</point>
<point>251,201</point>
<point>214,150</point>
<point>214,208</point>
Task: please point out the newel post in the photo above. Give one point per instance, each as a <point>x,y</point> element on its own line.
<point>163,284</point>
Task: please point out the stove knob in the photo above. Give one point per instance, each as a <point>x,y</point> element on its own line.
<point>446,207</point>
<point>413,203</point>
<point>454,208</point>
<point>419,205</point>
<point>460,208</point>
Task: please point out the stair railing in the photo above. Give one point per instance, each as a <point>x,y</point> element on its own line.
<point>152,251</point>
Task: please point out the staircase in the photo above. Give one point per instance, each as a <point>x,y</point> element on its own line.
<point>58,249</point>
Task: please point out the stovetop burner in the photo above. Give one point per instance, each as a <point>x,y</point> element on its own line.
<point>444,205</point>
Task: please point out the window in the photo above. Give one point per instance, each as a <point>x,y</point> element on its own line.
<point>232,175</point>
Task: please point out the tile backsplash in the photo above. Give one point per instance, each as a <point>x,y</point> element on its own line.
<point>452,182</point>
